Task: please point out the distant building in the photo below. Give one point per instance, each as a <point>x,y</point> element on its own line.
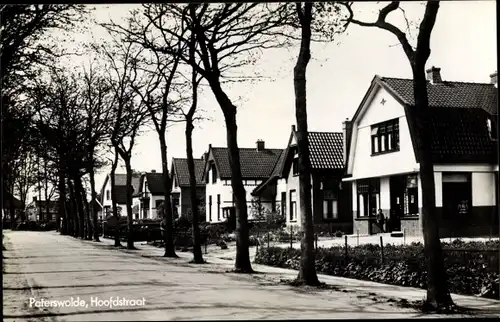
<point>42,210</point>
<point>257,165</point>
<point>121,193</point>
<point>181,188</point>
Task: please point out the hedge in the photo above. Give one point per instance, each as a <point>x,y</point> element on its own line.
<point>472,268</point>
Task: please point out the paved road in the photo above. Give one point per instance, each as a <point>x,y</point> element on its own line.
<point>44,265</point>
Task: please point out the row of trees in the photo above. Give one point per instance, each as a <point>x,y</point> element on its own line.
<point>164,51</point>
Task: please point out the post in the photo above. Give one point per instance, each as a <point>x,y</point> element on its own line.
<point>382,249</point>
<point>316,242</point>
<point>291,237</point>
<point>357,236</point>
<point>345,247</point>
<point>268,239</point>
<point>404,236</point>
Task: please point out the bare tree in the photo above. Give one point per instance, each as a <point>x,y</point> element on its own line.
<point>97,121</point>
<point>228,36</point>
<point>307,272</point>
<point>438,295</point>
<point>129,112</point>
<point>159,93</point>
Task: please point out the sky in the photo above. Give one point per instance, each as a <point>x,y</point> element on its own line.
<point>463,45</point>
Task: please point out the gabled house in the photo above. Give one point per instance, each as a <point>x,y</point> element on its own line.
<point>181,188</point>
<point>330,197</point>
<point>149,195</point>
<point>384,169</point>
<point>121,193</point>
<point>257,165</point>
<point>37,210</point>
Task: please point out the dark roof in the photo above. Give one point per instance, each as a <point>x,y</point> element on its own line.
<point>181,172</point>
<point>448,94</point>
<point>326,150</point>
<point>458,120</point>
<point>325,153</point>
<point>254,164</point>
<point>155,182</point>
<point>461,135</point>
<point>121,181</point>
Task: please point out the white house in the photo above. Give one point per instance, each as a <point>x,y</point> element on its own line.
<point>257,164</point>
<point>121,197</point>
<point>149,196</point>
<point>330,199</point>
<point>384,170</point>
<point>181,188</point>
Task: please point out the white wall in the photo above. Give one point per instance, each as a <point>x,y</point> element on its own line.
<point>223,187</point>
<point>483,189</point>
<point>363,164</point>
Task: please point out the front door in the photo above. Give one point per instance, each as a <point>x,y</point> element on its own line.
<point>397,188</point>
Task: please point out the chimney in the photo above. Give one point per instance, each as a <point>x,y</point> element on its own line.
<point>346,139</point>
<point>153,171</point>
<point>293,128</point>
<point>204,156</point>
<point>434,75</point>
<point>493,79</point>
<point>260,145</point>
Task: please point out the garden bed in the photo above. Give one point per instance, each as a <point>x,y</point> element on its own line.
<point>472,267</point>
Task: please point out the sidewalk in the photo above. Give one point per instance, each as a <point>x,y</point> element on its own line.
<point>223,261</point>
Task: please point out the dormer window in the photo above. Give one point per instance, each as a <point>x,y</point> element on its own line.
<point>492,129</point>
<point>213,173</point>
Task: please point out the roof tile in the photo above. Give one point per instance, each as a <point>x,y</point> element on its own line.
<point>180,167</point>
<point>254,164</point>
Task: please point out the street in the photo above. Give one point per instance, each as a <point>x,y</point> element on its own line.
<point>80,277</point>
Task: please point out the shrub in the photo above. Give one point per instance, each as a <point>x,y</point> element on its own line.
<point>472,268</point>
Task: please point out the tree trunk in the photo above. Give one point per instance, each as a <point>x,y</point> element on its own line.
<point>12,209</point>
<point>46,193</point>
<point>197,254</point>
<point>307,272</point>
<point>113,199</point>
<point>80,206</point>
<point>74,213</point>
<point>437,281</point>
<point>61,213</point>
<point>93,203</point>
<point>242,263</point>
<point>130,227</point>
<point>88,224</point>
<point>169,228</point>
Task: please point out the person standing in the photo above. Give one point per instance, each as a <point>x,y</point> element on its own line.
<point>381,220</point>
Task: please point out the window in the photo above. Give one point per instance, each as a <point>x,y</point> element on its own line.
<point>214,174</point>
<point>330,209</point>
<point>293,205</point>
<point>295,166</point>
<point>330,205</point>
<point>210,208</point>
<point>457,194</point>
<point>218,207</point>
<point>385,137</point>
<point>283,204</point>
<point>492,128</point>
<point>368,197</point>
<point>108,195</point>
<point>159,202</point>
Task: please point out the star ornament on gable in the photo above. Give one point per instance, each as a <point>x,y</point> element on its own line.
<point>383,101</point>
